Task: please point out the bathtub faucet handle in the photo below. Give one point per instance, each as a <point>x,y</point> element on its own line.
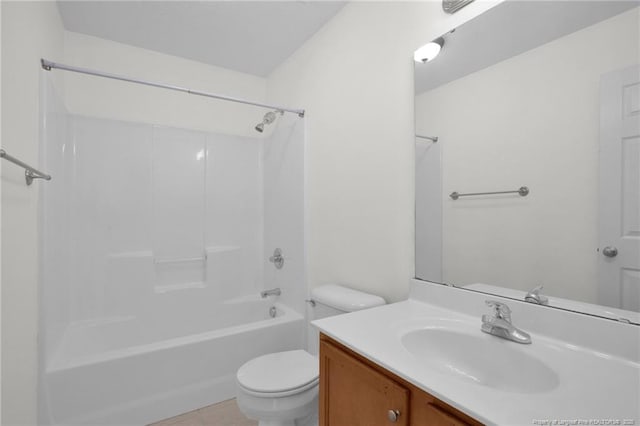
<point>277,259</point>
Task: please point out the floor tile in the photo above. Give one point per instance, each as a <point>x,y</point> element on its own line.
<point>225,413</point>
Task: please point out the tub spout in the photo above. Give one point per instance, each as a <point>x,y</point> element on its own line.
<point>272,292</point>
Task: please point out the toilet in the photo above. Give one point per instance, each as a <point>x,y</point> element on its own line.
<point>281,389</point>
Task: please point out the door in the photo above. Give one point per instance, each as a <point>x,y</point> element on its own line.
<point>619,233</point>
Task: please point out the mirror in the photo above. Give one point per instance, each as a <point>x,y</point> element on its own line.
<point>528,153</point>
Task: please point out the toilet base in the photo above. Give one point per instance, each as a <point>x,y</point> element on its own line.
<point>299,409</point>
<point>276,423</point>
<point>311,420</point>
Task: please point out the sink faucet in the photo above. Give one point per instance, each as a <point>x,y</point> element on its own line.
<point>534,296</point>
<point>272,292</point>
<point>500,323</point>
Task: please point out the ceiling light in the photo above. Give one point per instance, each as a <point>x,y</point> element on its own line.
<point>429,51</point>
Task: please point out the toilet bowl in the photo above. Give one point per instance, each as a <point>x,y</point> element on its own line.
<point>281,389</point>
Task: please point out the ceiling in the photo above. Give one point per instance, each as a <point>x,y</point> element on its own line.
<point>510,28</point>
<point>252,37</point>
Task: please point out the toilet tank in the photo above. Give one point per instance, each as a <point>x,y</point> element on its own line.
<point>333,299</point>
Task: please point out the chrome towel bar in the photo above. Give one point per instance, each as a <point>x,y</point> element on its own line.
<point>433,139</point>
<point>29,172</point>
<point>523,191</point>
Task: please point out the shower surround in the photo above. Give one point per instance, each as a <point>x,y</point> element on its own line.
<point>155,246</point>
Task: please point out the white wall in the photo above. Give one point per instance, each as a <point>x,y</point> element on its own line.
<point>30,30</point>
<point>530,120</point>
<point>100,97</point>
<point>0,228</point>
<point>355,80</point>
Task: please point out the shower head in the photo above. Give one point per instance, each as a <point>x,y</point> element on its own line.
<point>269,118</point>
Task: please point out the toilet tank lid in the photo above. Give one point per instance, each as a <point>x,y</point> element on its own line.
<point>344,298</point>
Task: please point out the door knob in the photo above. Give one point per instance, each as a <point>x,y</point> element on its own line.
<point>393,415</point>
<point>610,251</point>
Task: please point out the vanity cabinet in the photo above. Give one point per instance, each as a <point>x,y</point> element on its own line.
<point>357,392</point>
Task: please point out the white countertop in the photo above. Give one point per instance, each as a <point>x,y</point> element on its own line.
<point>594,385</point>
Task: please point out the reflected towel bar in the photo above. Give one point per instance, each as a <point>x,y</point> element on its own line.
<point>523,191</point>
<point>29,172</point>
<point>181,260</point>
<point>433,139</point>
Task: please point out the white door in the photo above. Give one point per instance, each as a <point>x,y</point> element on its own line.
<point>619,234</point>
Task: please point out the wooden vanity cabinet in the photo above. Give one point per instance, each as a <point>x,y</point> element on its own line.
<point>357,392</point>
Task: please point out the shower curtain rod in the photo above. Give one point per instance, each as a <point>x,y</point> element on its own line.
<point>29,172</point>
<point>48,65</point>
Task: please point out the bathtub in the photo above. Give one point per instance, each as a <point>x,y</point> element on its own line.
<point>137,370</point>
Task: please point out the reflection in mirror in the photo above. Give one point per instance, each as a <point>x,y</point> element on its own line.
<point>543,95</point>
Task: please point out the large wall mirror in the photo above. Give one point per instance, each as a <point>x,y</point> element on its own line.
<point>530,114</point>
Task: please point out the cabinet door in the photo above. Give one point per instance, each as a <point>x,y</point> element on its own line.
<point>353,394</point>
<point>436,416</point>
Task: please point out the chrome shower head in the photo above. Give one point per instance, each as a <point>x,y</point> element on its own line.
<point>269,118</point>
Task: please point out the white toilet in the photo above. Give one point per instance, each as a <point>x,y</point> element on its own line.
<point>281,389</point>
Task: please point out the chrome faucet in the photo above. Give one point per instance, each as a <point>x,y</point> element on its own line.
<point>500,323</point>
<point>534,296</point>
<point>272,292</point>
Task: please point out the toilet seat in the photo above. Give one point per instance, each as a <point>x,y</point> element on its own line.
<point>279,374</point>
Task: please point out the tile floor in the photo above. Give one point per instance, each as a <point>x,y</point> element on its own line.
<point>225,413</point>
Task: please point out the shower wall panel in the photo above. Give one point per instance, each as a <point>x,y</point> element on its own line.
<point>55,203</point>
<point>178,207</point>
<point>111,201</point>
<point>138,212</point>
<point>234,226</point>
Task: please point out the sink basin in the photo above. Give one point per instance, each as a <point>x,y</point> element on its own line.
<point>480,358</point>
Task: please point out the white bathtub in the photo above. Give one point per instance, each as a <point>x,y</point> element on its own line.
<point>136,370</point>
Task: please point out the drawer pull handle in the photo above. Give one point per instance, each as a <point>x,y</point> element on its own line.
<point>393,415</point>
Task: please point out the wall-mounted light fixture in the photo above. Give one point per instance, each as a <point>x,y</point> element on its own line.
<point>429,51</point>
